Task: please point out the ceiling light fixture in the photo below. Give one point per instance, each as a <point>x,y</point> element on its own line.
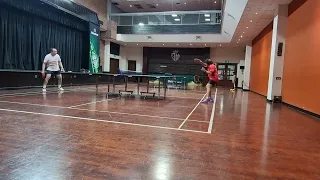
<point>177,19</point>
<point>215,1</point>
<point>157,4</point>
<point>130,5</point>
<point>190,44</point>
<point>207,15</point>
<point>256,13</point>
<point>241,36</point>
<point>174,15</point>
<point>251,21</point>
<point>185,3</point>
<point>247,27</point>
<point>207,19</point>
<point>137,44</point>
<point>220,44</point>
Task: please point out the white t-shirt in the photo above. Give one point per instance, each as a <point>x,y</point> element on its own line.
<point>52,62</point>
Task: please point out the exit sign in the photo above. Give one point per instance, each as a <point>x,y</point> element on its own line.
<point>227,61</point>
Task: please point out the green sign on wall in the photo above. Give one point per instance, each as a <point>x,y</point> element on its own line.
<point>94,61</point>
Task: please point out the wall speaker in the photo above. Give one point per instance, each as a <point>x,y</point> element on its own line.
<point>280,47</point>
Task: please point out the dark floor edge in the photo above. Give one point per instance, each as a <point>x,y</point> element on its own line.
<point>292,106</point>
<point>303,110</point>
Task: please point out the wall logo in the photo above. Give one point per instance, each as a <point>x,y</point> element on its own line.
<point>175,55</point>
<point>94,32</point>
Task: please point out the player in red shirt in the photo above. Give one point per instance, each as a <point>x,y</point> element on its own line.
<point>211,70</point>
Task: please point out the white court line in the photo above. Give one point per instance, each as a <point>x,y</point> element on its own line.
<point>112,112</point>
<point>191,112</point>
<point>100,120</point>
<point>32,93</point>
<point>212,112</point>
<point>89,103</point>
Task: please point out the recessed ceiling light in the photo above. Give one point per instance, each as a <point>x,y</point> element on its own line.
<point>141,24</point>
<point>256,13</point>
<point>162,44</point>
<point>157,4</point>
<point>207,15</point>
<point>244,32</point>
<point>130,5</point>
<point>185,3</point>
<point>177,19</point>
<point>190,44</point>
<point>250,20</point>
<point>177,44</point>
<point>241,36</point>
<point>137,44</point>
<point>174,15</point>
<point>247,27</point>
<point>215,1</point>
<point>207,19</point>
<point>205,44</point>
<point>220,44</point>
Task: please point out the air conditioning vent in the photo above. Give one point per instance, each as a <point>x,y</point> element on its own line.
<point>138,6</point>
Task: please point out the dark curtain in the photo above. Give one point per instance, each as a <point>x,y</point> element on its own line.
<point>25,40</point>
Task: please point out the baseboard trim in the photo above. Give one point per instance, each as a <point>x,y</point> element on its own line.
<point>303,110</point>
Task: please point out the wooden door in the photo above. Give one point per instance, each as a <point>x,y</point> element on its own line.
<point>132,65</point>
<point>114,66</point>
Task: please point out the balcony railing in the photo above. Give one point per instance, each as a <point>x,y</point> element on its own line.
<point>168,18</point>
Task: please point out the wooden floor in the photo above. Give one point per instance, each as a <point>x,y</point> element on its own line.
<point>80,135</point>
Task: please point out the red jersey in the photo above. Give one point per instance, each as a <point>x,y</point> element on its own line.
<point>214,73</point>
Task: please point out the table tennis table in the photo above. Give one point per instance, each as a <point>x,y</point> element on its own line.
<point>160,78</point>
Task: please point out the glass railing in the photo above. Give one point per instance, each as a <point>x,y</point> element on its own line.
<point>168,18</point>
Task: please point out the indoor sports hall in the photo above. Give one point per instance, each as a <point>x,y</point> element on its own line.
<point>159,90</point>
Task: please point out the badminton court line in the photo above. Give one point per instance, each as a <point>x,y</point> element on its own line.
<point>89,103</point>
<point>185,120</point>
<point>100,120</point>
<point>112,112</point>
<point>212,112</point>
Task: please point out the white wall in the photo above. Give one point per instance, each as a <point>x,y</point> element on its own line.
<point>240,73</point>
<point>131,53</point>
<point>233,55</point>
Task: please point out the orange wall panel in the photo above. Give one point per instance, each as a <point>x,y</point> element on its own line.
<point>301,75</point>
<point>260,61</point>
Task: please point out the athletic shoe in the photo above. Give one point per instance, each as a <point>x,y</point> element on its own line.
<point>44,90</point>
<point>210,99</point>
<point>205,101</point>
<point>60,89</point>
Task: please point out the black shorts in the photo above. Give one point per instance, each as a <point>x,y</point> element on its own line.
<point>213,83</point>
<point>53,72</point>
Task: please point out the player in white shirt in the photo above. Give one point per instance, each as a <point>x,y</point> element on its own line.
<point>233,78</point>
<point>53,66</point>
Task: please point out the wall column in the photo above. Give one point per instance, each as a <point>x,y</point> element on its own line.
<point>106,64</point>
<point>247,67</point>
<point>276,61</point>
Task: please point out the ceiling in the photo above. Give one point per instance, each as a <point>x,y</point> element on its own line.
<point>128,6</point>
<point>257,15</point>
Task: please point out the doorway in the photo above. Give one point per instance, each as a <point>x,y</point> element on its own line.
<point>132,65</point>
<point>114,66</point>
<point>226,71</point>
